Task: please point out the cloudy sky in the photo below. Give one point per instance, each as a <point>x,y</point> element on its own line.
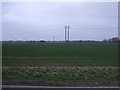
<point>44,20</point>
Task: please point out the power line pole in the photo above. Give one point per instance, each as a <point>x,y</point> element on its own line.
<point>65,33</point>
<point>68,32</point>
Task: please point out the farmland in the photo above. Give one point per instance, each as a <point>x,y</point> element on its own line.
<point>60,62</point>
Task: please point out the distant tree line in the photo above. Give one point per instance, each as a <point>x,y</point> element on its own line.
<point>114,39</point>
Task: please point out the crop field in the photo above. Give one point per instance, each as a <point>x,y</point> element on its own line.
<point>60,62</point>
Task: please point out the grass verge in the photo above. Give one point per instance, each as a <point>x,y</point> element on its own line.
<point>69,74</point>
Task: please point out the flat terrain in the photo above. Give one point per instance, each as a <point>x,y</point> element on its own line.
<point>60,54</point>
<point>63,63</point>
<point>27,49</point>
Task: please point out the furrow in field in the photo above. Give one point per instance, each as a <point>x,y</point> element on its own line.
<point>61,67</point>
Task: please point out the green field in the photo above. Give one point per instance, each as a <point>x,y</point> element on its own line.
<point>60,62</point>
<point>70,54</point>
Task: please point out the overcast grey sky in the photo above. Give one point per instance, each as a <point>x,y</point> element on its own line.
<point>44,20</point>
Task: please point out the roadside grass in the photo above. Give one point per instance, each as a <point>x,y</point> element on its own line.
<point>61,74</point>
